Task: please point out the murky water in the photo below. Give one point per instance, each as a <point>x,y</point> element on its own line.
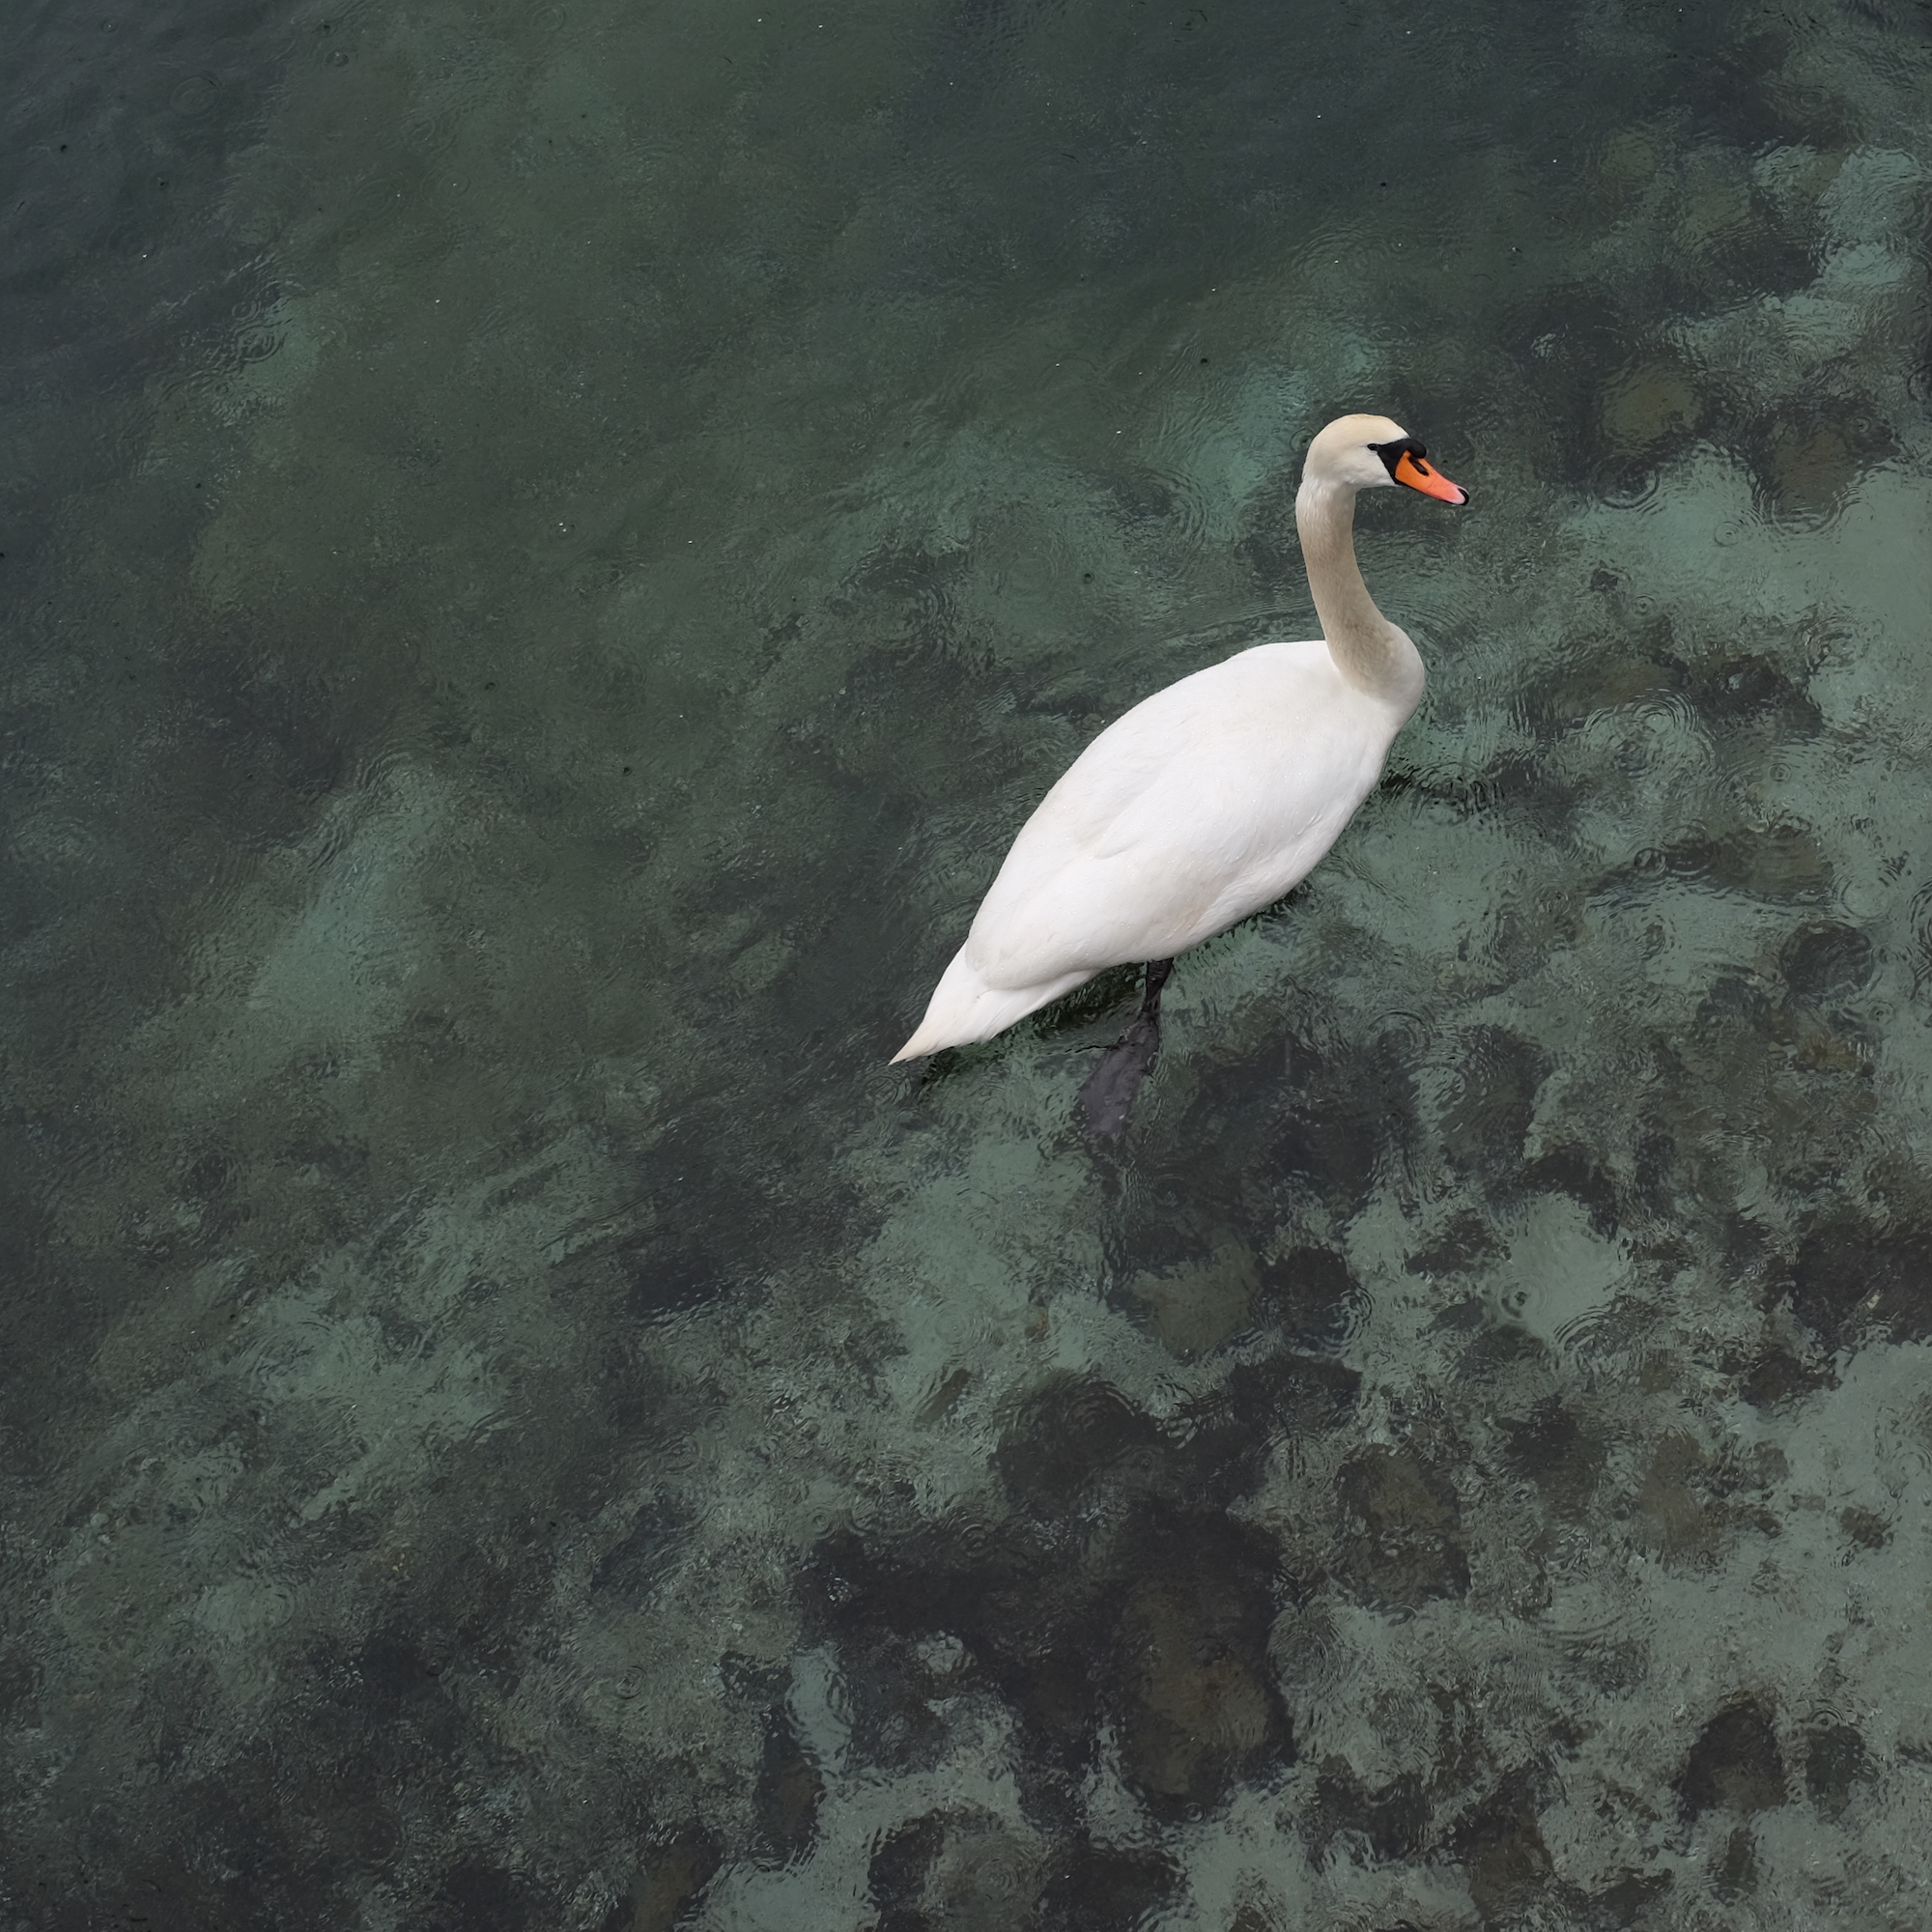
<point>545,554</point>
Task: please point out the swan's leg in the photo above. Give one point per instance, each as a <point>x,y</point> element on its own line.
<point>1108,1092</point>
<point>1157,974</point>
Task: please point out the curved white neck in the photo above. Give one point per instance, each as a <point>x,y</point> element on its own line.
<point>1370,652</point>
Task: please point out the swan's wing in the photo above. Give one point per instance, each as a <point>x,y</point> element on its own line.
<point>1204,801</point>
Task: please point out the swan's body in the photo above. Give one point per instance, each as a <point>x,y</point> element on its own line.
<point>1213,797</point>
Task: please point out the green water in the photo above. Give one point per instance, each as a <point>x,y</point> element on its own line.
<point>547,553</point>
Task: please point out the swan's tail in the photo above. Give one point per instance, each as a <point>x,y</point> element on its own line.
<point>965,1009</point>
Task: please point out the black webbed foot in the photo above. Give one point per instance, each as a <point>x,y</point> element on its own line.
<point>1107,1094</point>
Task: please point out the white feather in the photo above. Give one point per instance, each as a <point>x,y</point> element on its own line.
<point>1207,801</point>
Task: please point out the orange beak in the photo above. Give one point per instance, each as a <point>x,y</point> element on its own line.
<point>1415,471</point>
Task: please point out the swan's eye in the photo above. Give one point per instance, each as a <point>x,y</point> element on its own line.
<point>1392,453</point>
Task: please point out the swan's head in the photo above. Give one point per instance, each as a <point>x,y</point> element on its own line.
<point>1371,453</point>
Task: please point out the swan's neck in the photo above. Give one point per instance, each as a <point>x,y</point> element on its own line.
<point>1370,652</point>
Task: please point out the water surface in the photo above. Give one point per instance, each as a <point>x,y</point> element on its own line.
<point>546,554</point>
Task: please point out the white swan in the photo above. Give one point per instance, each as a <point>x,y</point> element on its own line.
<point>1208,799</point>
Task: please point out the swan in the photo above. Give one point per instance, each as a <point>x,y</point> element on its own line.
<point>1207,800</point>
